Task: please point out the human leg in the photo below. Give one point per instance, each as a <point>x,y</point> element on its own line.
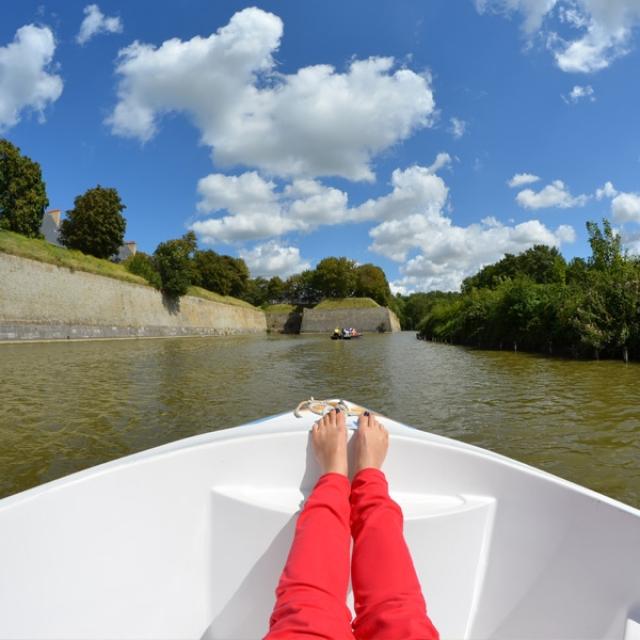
<point>311,595</point>
<point>388,599</point>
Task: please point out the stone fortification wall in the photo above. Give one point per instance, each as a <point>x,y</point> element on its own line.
<point>284,322</point>
<point>364,320</point>
<point>43,301</point>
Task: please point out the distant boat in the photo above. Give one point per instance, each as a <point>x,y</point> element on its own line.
<point>187,540</point>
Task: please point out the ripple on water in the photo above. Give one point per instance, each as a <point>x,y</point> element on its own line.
<point>67,406</point>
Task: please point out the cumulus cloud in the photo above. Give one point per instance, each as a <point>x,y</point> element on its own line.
<point>254,209</point>
<point>625,206</point>
<point>315,122</point>
<point>412,220</point>
<point>95,22</point>
<point>580,93</point>
<point>26,81</point>
<point>450,253</point>
<point>604,28</point>
<point>554,195</point>
<point>457,128</point>
<point>273,259</point>
<point>520,179</point>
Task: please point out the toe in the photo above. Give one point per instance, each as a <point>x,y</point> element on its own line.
<point>340,419</point>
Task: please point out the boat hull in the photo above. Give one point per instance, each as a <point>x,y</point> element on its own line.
<point>183,541</point>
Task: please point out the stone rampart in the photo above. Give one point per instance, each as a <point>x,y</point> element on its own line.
<point>364,320</point>
<point>41,301</point>
<point>287,322</point>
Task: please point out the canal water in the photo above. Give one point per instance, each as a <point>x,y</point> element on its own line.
<point>67,406</point>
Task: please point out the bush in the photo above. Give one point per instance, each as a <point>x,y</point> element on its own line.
<point>142,264</point>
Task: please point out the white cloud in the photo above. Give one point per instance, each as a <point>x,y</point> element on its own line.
<point>273,259</point>
<point>314,122</point>
<point>458,128</point>
<point>449,253</point>
<point>25,78</point>
<point>555,194</point>
<point>413,219</point>
<point>520,179</point>
<point>607,191</point>
<point>625,206</point>
<point>255,209</point>
<point>96,22</point>
<point>604,28</point>
<point>580,93</point>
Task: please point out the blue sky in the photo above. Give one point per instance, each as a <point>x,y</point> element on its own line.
<point>287,131</point>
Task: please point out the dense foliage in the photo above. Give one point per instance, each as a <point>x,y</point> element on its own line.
<point>173,260</point>
<point>537,302</point>
<point>23,198</point>
<point>95,225</point>
<point>142,264</point>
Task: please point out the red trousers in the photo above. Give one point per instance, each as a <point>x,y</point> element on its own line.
<point>311,595</point>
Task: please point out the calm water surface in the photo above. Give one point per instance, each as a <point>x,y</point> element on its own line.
<point>67,406</point>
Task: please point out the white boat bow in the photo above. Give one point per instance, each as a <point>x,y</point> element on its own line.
<point>187,540</point>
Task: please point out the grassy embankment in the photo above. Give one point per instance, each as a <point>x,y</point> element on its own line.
<point>280,308</point>
<point>330,304</point>
<point>43,251</point>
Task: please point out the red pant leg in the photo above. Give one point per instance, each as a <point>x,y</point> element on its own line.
<point>388,600</point>
<point>312,592</point>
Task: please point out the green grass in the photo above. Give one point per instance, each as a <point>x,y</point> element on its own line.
<point>216,297</point>
<point>279,308</point>
<point>43,251</point>
<point>346,303</point>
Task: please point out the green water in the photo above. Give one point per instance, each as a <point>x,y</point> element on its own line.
<point>67,406</point>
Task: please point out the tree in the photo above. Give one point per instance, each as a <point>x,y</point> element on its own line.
<point>371,282</point>
<point>142,264</point>
<point>335,277</point>
<point>300,288</point>
<point>95,225</point>
<point>23,197</point>
<point>209,271</point>
<point>173,260</point>
<point>606,246</point>
<point>275,290</point>
<point>256,291</point>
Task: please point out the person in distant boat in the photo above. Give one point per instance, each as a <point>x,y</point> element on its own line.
<point>312,591</point>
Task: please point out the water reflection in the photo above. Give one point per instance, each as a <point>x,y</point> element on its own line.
<point>67,406</point>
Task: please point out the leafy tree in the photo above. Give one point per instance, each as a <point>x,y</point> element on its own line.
<point>219,273</point>
<point>23,197</point>
<point>142,264</point>
<point>95,225</point>
<point>173,260</point>
<point>606,246</point>
<point>275,290</point>
<point>256,291</point>
<point>371,282</point>
<point>335,277</point>
<point>301,288</point>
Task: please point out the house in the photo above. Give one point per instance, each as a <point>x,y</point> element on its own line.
<point>50,226</point>
<point>129,248</point>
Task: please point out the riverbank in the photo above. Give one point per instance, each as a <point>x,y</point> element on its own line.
<point>43,301</point>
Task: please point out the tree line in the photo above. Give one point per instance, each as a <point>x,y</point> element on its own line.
<point>96,226</point>
<point>536,301</point>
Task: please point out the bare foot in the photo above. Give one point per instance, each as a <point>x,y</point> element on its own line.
<point>371,444</point>
<point>329,436</point>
